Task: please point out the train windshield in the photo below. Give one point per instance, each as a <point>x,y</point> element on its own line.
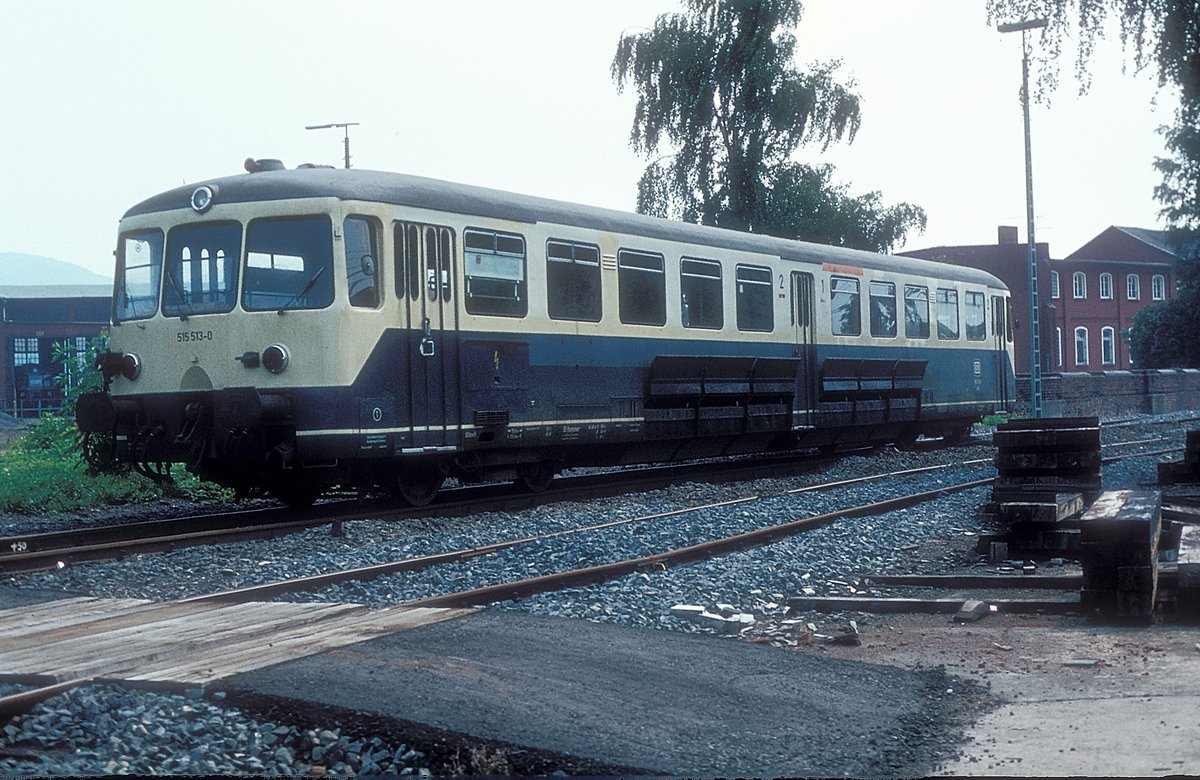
<point>139,266</point>
<point>288,264</point>
<point>201,269</point>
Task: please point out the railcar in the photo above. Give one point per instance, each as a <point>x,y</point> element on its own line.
<point>290,330</point>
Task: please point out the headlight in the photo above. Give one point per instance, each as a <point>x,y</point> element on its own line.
<point>202,199</point>
<point>131,366</point>
<point>275,358</point>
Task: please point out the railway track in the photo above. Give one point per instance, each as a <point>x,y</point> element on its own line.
<point>578,576</point>
<point>514,589</point>
<point>30,552</point>
<point>44,551</point>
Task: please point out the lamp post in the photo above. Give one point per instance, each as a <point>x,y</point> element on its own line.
<point>1035,346</point>
<point>346,139</point>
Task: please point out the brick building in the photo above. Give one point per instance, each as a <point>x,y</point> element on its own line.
<point>1099,287</point>
<point>32,320</point>
<point>1086,300</point>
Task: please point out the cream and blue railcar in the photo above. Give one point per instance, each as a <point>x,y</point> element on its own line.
<point>298,329</point>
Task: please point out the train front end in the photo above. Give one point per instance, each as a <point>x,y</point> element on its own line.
<point>223,323</point>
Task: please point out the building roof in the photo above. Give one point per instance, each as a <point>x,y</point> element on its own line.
<point>1129,244</point>
<point>55,291</point>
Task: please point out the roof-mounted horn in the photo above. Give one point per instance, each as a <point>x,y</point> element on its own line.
<point>265,164</point>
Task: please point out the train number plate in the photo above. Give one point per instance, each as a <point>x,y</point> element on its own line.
<point>185,336</point>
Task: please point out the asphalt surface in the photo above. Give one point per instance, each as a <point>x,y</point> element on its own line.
<point>664,702</point>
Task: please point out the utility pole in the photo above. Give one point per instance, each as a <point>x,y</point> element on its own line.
<point>1035,346</point>
<point>346,138</point>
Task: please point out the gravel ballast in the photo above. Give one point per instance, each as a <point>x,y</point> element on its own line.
<point>832,560</point>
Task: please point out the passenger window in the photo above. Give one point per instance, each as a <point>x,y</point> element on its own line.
<point>947,314</point>
<point>494,268</point>
<point>755,306</point>
<point>845,313</point>
<point>288,264</point>
<point>573,281</point>
<point>641,288</point>
<point>362,261</point>
<point>916,312</point>
<point>700,293</point>
<point>411,242</point>
<point>883,309</point>
<point>975,315</point>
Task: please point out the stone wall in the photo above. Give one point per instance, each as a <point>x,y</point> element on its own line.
<point>1113,393</point>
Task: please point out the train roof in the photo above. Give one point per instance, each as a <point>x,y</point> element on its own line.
<point>421,192</point>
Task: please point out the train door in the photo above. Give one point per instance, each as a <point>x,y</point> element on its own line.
<point>1001,336</point>
<point>804,332</point>
<point>432,346</point>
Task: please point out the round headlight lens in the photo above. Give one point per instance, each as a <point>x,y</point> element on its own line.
<point>275,358</point>
<point>202,199</point>
<point>131,366</point>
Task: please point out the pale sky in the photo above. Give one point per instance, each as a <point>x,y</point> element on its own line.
<point>107,103</point>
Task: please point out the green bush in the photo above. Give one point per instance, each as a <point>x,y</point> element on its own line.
<point>35,481</point>
<point>44,471</point>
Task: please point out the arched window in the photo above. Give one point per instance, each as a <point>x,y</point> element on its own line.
<point>1133,287</point>
<point>1106,287</point>
<point>1081,347</point>
<point>1108,346</point>
<point>1058,347</point>
<point>1158,287</point>
<point>1079,283</point>
<point>1054,284</point>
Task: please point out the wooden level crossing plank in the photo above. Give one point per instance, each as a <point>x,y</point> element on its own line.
<point>129,647</point>
<point>17,621</point>
<point>122,616</point>
<point>291,644</point>
<point>187,643</point>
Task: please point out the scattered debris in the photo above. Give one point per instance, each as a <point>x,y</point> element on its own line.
<point>972,610</point>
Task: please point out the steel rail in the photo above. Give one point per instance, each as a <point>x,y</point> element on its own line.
<point>587,575</point>
<point>42,551</point>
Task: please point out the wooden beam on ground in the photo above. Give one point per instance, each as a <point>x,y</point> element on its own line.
<point>924,606</point>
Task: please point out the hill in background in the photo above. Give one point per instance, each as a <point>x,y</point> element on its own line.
<point>21,269</point>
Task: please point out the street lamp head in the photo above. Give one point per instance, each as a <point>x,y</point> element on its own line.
<point>1028,24</point>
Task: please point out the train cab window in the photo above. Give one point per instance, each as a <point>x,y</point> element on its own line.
<point>916,312</point>
<point>361,239</point>
<point>641,288</point>
<point>288,264</point>
<point>883,309</point>
<point>139,268</point>
<point>700,299</point>
<point>494,268</point>
<point>947,314</point>
<point>844,307</point>
<point>201,268</point>
<point>573,281</point>
<point>975,316</point>
<point>755,302</point>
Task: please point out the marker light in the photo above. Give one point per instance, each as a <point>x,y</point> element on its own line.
<point>202,199</point>
<point>275,358</point>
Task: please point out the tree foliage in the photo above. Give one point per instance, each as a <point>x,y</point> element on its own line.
<point>1163,35</point>
<point>717,84</point>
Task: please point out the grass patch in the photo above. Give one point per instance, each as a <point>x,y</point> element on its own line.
<point>43,471</point>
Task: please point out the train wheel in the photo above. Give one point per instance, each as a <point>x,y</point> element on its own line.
<point>536,477</point>
<point>418,486</point>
